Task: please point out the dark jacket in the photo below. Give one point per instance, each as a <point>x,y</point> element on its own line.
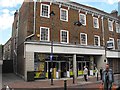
<point>108,74</point>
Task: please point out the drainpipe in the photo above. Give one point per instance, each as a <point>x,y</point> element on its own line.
<point>33,21</point>
<point>103,32</point>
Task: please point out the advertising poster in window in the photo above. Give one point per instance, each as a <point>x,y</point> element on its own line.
<point>39,67</point>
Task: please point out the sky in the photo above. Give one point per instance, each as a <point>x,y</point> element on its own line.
<point>8,7</point>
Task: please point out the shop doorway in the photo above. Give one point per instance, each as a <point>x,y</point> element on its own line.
<point>80,67</point>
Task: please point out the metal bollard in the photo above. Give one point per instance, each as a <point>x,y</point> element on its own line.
<point>73,80</point>
<point>97,76</point>
<point>65,84</point>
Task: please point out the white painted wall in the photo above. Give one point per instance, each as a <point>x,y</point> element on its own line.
<point>63,49</point>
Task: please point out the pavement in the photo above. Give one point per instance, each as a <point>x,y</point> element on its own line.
<point>12,81</point>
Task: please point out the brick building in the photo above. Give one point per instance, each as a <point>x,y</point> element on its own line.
<point>7,50</point>
<point>93,44</point>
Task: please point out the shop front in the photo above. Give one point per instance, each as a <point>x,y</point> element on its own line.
<point>60,65</point>
<point>67,60</point>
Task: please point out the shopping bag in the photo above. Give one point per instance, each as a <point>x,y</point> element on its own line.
<point>101,87</point>
<point>114,87</point>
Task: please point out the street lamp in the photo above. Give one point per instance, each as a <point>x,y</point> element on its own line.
<point>76,23</point>
<point>51,55</point>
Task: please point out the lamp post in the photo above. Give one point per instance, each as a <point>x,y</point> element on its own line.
<point>76,23</point>
<point>51,55</point>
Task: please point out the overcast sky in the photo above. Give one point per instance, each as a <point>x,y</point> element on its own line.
<point>8,7</point>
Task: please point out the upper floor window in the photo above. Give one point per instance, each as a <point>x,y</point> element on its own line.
<point>64,36</point>
<point>96,40</point>
<point>95,22</point>
<point>83,38</point>
<point>118,43</point>
<point>82,18</point>
<point>44,34</point>
<point>110,25</point>
<point>63,14</point>
<point>45,10</point>
<point>117,28</point>
<point>112,39</point>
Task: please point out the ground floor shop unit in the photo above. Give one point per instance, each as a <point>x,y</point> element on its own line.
<point>113,58</point>
<point>62,65</point>
<point>67,60</point>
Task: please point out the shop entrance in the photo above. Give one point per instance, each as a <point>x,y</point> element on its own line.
<point>64,69</point>
<point>80,67</point>
<point>60,69</point>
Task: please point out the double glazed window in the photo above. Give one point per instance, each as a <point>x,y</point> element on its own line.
<point>64,36</point>
<point>95,22</point>
<point>96,40</point>
<point>112,39</point>
<point>83,19</point>
<point>83,38</point>
<point>118,43</point>
<point>45,10</point>
<point>110,25</point>
<point>44,34</point>
<point>63,14</point>
<point>117,28</point>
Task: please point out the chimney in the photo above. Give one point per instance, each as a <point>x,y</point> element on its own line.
<point>114,13</point>
<point>16,13</point>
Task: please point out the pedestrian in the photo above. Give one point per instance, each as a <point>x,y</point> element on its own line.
<point>96,73</point>
<point>107,78</point>
<point>85,72</point>
<point>101,70</point>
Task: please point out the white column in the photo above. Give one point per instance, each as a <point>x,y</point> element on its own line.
<point>74,66</point>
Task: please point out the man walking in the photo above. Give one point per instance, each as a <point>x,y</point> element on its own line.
<point>85,73</point>
<point>101,70</point>
<point>107,78</point>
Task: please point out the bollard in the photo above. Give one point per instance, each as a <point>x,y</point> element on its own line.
<point>73,80</point>
<point>65,84</point>
<point>97,76</point>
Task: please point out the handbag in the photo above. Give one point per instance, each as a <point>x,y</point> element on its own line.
<point>114,87</point>
<point>101,87</point>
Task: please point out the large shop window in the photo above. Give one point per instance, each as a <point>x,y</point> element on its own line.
<point>83,19</point>
<point>63,14</point>
<point>64,36</point>
<point>39,66</point>
<point>83,38</point>
<point>44,34</point>
<point>96,40</point>
<point>45,10</point>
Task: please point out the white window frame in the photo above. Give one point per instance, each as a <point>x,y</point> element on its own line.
<point>111,25</point>
<point>112,39</point>
<point>84,18</point>
<point>61,36</point>
<point>66,14</point>
<point>98,40</point>
<point>48,16</point>
<point>118,44</point>
<point>81,39</point>
<point>97,22</point>
<point>117,28</point>
<point>48,33</point>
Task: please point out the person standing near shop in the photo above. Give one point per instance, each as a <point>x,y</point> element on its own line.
<point>96,73</point>
<point>85,73</point>
<point>101,70</point>
<point>108,78</point>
